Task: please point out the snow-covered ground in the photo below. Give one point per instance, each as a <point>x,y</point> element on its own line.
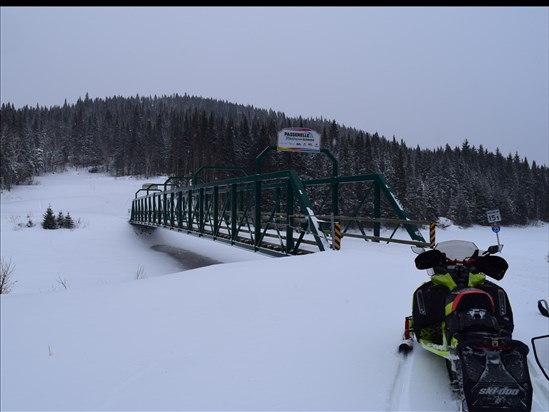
<point>98,319</point>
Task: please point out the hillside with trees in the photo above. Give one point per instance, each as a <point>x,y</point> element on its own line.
<point>176,135</point>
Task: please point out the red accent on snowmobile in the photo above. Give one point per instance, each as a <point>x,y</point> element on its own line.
<point>407,328</point>
<point>458,298</point>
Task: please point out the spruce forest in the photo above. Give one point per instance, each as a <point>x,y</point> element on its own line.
<point>176,135</point>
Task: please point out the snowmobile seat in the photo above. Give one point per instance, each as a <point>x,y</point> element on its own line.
<point>471,310</point>
<point>470,298</point>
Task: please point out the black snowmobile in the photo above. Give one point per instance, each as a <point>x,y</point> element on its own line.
<point>467,319</point>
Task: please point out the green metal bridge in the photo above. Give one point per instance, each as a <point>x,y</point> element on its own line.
<point>275,213</point>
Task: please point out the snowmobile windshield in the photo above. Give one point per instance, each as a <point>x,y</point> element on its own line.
<point>457,249</point>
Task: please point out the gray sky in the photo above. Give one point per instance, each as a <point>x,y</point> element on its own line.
<point>429,76</point>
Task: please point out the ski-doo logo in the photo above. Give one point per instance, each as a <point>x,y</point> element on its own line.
<point>494,390</point>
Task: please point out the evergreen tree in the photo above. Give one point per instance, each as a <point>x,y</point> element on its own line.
<point>49,221</point>
<point>68,223</point>
<point>60,219</point>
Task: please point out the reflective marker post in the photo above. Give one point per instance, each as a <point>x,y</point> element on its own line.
<point>494,217</point>
<point>496,228</point>
<point>337,236</point>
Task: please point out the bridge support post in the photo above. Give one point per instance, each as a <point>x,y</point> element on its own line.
<point>257,216</point>
<point>215,211</point>
<point>180,209</point>
<point>234,216</point>
<point>289,218</point>
<point>377,209</point>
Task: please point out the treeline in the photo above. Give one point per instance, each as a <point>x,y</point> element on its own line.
<point>176,135</point>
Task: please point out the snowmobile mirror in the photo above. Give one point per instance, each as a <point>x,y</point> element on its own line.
<point>494,249</point>
<point>543,307</point>
<point>540,344</point>
<point>418,250</point>
<point>430,259</point>
<point>493,266</point>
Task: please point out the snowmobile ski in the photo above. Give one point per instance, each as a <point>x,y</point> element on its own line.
<point>407,343</point>
<point>406,346</point>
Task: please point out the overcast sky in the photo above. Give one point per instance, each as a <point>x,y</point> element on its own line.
<point>428,76</point>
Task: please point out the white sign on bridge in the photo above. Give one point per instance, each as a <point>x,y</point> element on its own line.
<point>298,139</point>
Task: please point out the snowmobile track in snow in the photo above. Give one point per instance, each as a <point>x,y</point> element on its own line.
<point>399,397</point>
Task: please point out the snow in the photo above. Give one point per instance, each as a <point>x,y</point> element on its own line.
<point>98,319</point>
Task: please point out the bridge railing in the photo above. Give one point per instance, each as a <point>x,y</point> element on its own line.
<point>273,212</point>
<point>367,198</point>
<point>241,210</point>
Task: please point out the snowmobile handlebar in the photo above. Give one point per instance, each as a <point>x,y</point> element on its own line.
<point>466,262</point>
<point>492,266</point>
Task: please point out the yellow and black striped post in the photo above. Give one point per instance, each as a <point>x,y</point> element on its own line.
<point>337,236</point>
<point>432,235</point>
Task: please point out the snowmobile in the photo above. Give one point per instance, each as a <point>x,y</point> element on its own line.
<point>467,319</point>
